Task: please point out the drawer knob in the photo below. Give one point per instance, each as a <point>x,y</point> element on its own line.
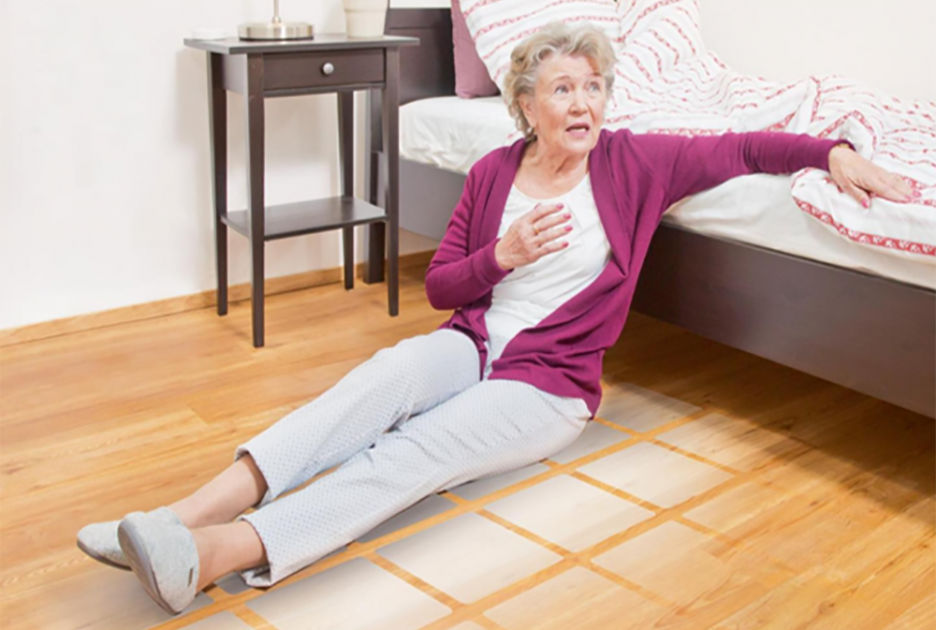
<point>328,68</point>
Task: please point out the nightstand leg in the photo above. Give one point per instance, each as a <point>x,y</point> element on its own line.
<point>255,197</point>
<point>217,123</point>
<point>391,143</point>
<point>374,235</point>
<point>346,151</point>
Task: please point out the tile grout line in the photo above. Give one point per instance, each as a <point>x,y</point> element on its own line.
<point>579,558</point>
<point>439,595</point>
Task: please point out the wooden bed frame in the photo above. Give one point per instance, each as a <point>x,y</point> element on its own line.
<point>867,333</point>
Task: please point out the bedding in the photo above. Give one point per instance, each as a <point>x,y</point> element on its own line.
<point>453,133</point>
<point>667,81</point>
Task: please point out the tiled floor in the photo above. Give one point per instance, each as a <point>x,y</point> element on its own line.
<point>655,474</point>
<point>221,621</point>
<point>586,539</point>
<point>568,512</point>
<point>356,595</point>
<point>469,557</point>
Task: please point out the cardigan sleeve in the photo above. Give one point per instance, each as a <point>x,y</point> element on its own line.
<point>685,166</point>
<point>455,277</point>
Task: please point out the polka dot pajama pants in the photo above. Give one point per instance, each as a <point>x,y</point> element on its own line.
<point>412,420</point>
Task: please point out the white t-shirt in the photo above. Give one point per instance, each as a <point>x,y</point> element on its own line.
<point>530,293</point>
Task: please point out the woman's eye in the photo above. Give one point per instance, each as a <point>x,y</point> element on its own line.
<point>594,87</point>
<point>561,89</point>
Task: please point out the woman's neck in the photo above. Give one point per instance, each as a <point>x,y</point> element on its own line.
<point>546,173</point>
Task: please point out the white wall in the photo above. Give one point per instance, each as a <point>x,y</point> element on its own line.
<point>104,198</point>
<point>5,168</point>
<point>105,156</point>
<point>889,45</point>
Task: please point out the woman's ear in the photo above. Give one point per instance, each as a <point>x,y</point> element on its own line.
<point>526,106</point>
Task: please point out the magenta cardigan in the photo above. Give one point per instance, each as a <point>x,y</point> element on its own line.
<point>635,178</point>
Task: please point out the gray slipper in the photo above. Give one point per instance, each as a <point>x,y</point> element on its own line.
<point>99,540</point>
<point>163,556</point>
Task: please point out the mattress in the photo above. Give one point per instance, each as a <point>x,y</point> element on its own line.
<point>453,133</point>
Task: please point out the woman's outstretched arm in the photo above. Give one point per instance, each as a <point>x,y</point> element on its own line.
<point>688,165</point>
<point>685,166</point>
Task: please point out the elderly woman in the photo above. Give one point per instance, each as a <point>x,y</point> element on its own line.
<point>539,263</point>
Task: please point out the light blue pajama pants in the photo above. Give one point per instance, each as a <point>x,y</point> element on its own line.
<point>412,420</point>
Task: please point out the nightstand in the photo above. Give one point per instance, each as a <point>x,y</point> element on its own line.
<point>329,63</point>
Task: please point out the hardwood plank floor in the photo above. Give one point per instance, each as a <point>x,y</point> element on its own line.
<point>765,498</point>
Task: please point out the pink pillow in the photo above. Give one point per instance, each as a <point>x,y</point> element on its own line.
<point>471,76</point>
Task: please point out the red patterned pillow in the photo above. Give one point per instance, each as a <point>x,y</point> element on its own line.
<point>471,77</point>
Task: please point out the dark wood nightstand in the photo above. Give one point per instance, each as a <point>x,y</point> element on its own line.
<point>329,63</point>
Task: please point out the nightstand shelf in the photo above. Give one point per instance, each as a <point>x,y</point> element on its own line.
<point>308,217</point>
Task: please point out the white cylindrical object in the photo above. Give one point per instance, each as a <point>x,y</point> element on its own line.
<point>365,18</point>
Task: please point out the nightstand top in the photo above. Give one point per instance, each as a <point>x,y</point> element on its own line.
<point>322,41</point>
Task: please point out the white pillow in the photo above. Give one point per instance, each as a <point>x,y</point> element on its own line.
<point>497,26</point>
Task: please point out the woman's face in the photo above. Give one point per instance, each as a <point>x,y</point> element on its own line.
<point>567,106</point>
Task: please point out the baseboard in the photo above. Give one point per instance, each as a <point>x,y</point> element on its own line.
<point>205,299</point>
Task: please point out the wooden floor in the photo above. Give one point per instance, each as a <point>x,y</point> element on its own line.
<point>760,497</point>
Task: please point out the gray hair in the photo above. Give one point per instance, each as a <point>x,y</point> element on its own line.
<point>556,38</point>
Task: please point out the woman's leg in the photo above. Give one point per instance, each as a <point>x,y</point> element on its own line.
<point>226,548</point>
<point>408,378</point>
<point>492,427</point>
<point>238,487</point>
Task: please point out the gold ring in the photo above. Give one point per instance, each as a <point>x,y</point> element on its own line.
<point>535,231</point>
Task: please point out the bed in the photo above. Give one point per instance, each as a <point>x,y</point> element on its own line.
<point>732,264</point>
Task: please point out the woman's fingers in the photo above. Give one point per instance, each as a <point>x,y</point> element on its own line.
<point>552,246</point>
<point>552,220</point>
<point>896,189</point>
<point>540,211</point>
<point>545,222</point>
<point>887,187</point>
<point>857,193</point>
<point>537,233</point>
<point>552,234</point>
<point>862,179</point>
<point>902,186</point>
<point>551,240</point>
<point>890,192</point>
<point>542,224</point>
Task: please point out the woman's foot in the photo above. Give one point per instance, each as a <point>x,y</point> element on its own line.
<point>164,557</point>
<point>99,540</point>
<point>237,488</point>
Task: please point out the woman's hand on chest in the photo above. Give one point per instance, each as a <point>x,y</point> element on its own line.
<point>532,236</point>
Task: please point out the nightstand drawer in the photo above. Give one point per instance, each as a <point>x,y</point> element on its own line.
<point>334,68</point>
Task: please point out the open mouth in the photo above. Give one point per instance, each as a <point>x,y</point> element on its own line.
<point>579,129</point>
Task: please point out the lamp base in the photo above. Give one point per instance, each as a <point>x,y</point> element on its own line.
<point>267,31</point>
